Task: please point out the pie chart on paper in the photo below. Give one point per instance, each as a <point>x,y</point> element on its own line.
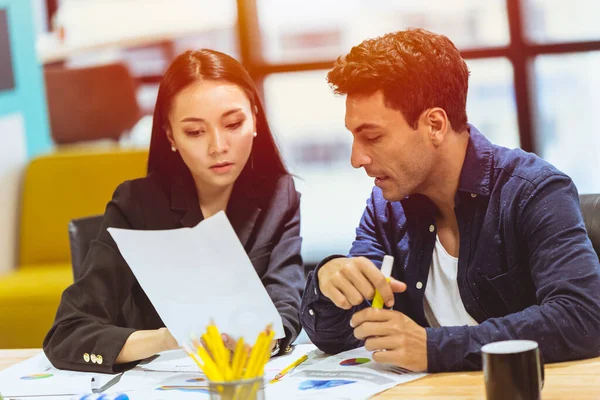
<point>354,361</point>
<point>36,376</point>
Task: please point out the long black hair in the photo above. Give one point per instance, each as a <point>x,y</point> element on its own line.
<point>265,162</point>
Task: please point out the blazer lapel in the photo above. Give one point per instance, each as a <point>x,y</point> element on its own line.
<point>242,211</point>
<point>243,216</point>
<point>184,201</point>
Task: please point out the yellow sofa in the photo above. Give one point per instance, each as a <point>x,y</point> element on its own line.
<point>56,188</point>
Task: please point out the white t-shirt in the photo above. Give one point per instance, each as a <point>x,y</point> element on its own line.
<point>442,303</point>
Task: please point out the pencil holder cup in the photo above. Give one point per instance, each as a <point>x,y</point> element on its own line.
<point>245,389</point>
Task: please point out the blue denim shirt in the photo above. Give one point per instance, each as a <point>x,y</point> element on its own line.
<point>526,267</point>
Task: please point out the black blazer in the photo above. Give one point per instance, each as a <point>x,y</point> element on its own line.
<point>106,304</point>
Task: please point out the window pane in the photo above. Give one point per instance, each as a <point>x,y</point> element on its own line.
<point>314,30</point>
<point>551,21</point>
<point>491,101</point>
<point>567,102</point>
<point>145,35</point>
<point>98,22</point>
<point>308,121</point>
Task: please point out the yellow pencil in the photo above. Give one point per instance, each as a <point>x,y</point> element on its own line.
<point>237,358</point>
<point>219,364</point>
<point>263,355</point>
<point>193,356</point>
<point>219,353</point>
<point>289,368</point>
<point>214,374</point>
<point>208,344</point>
<point>208,369</point>
<point>266,353</point>
<point>194,339</point>
<point>218,342</point>
<point>242,363</point>
<point>254,356</point>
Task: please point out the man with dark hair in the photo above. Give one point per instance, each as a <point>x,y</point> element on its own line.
<point>489,243</point>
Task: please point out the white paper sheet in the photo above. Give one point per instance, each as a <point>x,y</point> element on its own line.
<point>138,383</point>
<point>278,364</point>
<point>171,361</point>
<point>148,382</point>
<point>196,275</point>
<point>348,375</point>
<point>37,377</point>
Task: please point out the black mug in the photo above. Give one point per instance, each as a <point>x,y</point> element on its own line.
<point>513,370</point>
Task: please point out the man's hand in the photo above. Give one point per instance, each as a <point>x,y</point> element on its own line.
<point>394,338</point>
<point>348,282</point>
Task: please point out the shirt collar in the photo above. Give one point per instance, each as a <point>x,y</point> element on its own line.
<point>476,173</point>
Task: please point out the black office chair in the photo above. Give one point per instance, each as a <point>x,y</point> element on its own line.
<point>81,232</point>
<point>590,206</point>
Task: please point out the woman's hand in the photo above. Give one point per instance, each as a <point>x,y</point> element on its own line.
<point>168,341</point>
<point>143,344</point>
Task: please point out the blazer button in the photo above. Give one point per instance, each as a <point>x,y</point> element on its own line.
<point>99,359</point>
<point>431,228</point>
<point>86,357</point>
<point>93,358</point>
<point>419,285</point>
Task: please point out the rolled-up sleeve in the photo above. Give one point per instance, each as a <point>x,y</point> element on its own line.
<point>85,335</point>
<point>328,326</point>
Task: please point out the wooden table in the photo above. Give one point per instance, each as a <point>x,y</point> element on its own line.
<point>578,380</point>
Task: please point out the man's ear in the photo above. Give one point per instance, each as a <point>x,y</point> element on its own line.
<point>436,122</point>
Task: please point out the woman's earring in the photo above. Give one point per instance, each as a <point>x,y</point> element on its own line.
<point>254,134</point>
<point>173,148</point>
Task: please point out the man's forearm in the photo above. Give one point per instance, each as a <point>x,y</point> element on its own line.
<point>327,326</point>
<point>562,335</point>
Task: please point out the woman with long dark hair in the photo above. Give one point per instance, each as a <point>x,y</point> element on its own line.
<point>211,150</point>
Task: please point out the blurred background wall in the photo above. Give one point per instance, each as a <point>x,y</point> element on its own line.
<point>23,119</point>
<point>534,84</point>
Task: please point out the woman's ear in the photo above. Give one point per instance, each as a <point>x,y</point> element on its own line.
<point>169,134</point>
